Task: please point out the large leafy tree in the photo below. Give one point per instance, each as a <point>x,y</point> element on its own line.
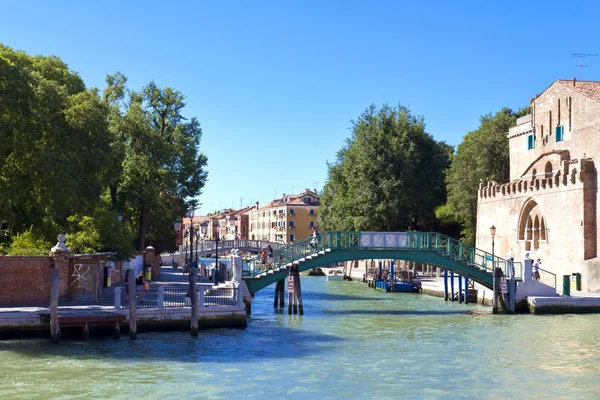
<point>55,141</point>
<point>482,156</point>
<point>163,164</point>
<point>72,159</point>
<point>388,176</point>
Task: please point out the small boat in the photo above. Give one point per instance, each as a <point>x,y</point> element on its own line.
<point>335,275</point>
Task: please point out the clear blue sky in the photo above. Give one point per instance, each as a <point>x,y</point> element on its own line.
<point>275,84</point>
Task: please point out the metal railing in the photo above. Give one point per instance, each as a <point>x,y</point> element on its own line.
<point>406,241</point>
<point>220,297</point>
<point>547,278</point>
<point>180,298</point>
<point>228,245</point>
<point>177,298</point>
<point>143,299</point>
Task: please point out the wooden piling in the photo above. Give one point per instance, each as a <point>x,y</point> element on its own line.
<point>495,292</point>
<point>281,284</point>
<point>194,301</point>
<point>298,291</point>
<point>132,317</point>
<point>86,331</point>
<point>466,290</point>
<point>290,292</point>
<point>452,285</point>
<point>293,272</point>
<point>460,291</point>
<point>116,331</point>
<point>445,285</point>
<point>54,327</point>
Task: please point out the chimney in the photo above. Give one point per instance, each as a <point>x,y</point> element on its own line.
<point>257,205</point>
<point>315,190</point>
<point>574,80</point>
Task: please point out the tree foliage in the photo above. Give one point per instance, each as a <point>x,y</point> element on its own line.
<point>388,177</point>
<point>73,157</point>
<point>482,156</point>
<point>101,231</point>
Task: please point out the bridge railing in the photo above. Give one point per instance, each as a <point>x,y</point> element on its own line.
<point>229,245</point>
<point>547,277</point>
<point>413,241</point>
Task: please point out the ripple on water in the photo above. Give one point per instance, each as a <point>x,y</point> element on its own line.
<point>352,342</point>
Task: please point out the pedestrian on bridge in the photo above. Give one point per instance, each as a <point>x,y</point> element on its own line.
<point>270,254</point>
<point>263,258</point>
<point>315,239</point>
<point>535,270</point>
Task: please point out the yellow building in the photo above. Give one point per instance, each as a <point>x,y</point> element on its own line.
<point>285,220</point>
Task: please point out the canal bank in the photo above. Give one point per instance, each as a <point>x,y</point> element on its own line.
<point>577,302</point>
<point>165,306</point>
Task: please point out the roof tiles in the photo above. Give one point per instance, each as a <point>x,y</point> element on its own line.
<point>590,89</point>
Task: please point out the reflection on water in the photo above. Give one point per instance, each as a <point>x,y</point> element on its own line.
<point>352,342</point>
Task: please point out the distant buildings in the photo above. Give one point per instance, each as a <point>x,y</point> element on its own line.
<point>287,219</point>
<point>283,220</point>
<point>549,208</point>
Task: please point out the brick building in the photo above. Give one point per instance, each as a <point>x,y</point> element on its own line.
<point>549,207</point>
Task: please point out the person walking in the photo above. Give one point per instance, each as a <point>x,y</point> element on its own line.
<point>270,254</point>
<point>535,269</point>
<point>141,285</point>
<point>263,258</point>
<point>315,239</point>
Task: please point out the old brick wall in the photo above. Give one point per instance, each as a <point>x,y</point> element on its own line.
<point>558,105</point>
<point>26,280</point>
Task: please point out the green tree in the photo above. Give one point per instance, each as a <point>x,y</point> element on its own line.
<point>388,176</point>
<point>56,138</point>
<point>100,232</point>
<point>482,156</point>
<point>162,162</point>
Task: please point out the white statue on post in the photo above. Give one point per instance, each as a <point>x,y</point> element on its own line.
<point>236,267</point>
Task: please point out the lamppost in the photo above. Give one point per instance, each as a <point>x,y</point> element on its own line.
<point>494,281</point>
<point>204,228</point>
<point>177,226</point>
<point>193,274</point>
<point>191,233</point>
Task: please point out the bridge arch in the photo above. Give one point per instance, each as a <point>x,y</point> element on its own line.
<point>333,247</point>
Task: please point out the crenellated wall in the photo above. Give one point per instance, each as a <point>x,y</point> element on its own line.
<point>548,215</point>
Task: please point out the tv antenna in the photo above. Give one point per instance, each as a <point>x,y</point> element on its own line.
<point>579,57</point>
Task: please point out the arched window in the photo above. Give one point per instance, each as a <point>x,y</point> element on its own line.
<point>533,174</point>
<point>532,226</point>
<point>543,230</point>
<point>536,233</point>
<point>548,169</point>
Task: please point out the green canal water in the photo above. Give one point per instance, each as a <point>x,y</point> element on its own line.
<point>352,343</point>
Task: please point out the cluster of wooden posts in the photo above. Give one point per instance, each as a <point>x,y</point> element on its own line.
<point>449,294</point>
<point>294,292</point>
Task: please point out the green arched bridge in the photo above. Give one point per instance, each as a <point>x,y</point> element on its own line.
<point>332,247</point>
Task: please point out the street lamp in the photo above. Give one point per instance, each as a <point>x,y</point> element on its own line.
<point>494,282</point>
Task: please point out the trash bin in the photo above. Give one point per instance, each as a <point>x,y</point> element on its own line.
<point>148,272</point>
<point>576,281</point>
<point>566,285</point>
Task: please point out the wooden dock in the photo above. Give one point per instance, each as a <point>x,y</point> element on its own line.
<point>86,319</point>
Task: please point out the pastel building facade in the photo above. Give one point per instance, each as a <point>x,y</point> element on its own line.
<point>285,220</point>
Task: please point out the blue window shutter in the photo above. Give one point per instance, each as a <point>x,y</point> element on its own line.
<point>559,133</point>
